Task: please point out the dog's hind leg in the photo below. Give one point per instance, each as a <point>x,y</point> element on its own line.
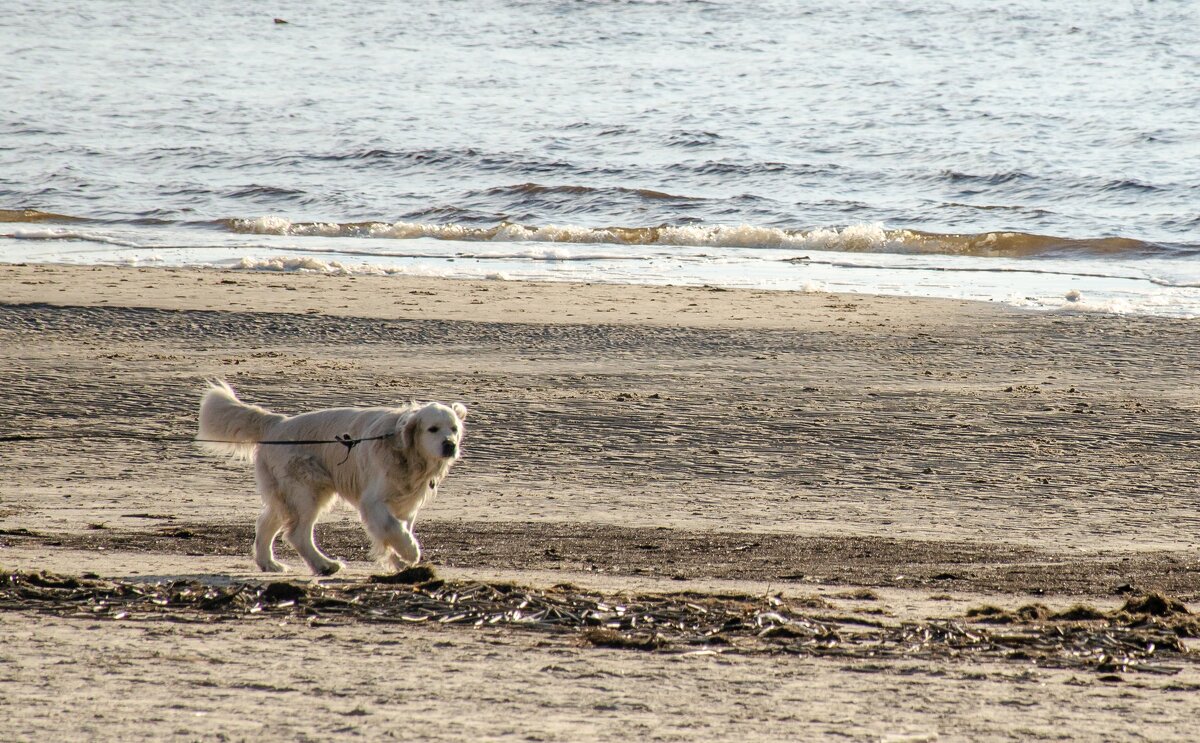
<point>269,524</point>
<point>274,515</point>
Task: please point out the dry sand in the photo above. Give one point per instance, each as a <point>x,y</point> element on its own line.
<point>887,460</point>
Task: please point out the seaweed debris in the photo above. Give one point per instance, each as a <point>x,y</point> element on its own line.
<point>1155,604</point>
<point>1142,637</point>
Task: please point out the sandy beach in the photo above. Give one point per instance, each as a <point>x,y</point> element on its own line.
<point>873,463</point>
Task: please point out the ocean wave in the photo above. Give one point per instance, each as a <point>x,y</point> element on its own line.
<point>529,201</point>
<point>442,158</point>
<point>34,215</point>
<point>987,179</point>
<point>738,168</point>
<point>538,189</point>
<point>70,235</point>
<point>1130,184</point>
<point>859,238</point>
<point>256,191</point>
<point>854,238</point>
<point>309,264</point>
<point>690,139</point>
<point>553,254</point>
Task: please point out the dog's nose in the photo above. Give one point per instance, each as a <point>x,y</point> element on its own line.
<point>449,448</point>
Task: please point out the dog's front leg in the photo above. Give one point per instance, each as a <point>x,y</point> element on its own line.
<point>393,536</point>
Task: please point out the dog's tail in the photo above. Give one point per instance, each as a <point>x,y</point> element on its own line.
<point>230,426</point>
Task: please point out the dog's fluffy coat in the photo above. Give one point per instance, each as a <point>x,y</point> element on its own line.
<point>387,479</point>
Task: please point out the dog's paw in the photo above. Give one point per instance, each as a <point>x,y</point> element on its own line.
<point>408,549</point>
<point>397,563</point>
<point>407,557</point>
<point>327,570</point>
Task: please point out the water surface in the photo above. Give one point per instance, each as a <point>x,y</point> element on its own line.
<point>1018,151</point>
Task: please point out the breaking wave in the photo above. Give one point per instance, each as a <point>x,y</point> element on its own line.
<point>862,238</point>
<point>854,238</point>
<point>34,215</point>
<point>69,236</point>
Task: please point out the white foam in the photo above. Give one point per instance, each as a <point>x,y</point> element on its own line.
<point>554,234</point>
<point>861,237</point>
<point>281,263</point>
<point>853,238</point>
<point>413,230</point>
<point>1109,307</point>
<point>314,265</point>
<point>556,253</point>
<point>276,225</point>
<point>64,234</point>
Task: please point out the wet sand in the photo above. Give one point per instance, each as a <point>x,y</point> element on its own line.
<point>938,455</point>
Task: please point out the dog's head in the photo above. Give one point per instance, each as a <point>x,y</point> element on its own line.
<point>435,431</point>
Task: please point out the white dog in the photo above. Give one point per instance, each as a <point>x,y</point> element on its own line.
<point>387,477</point>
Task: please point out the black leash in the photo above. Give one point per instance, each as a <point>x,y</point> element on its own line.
<point>344,439</point>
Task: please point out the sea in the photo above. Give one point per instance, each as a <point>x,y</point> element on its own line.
<point>1039,153</point>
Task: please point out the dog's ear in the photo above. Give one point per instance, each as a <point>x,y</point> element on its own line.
<point>408,434</point>
<point>460,410</point>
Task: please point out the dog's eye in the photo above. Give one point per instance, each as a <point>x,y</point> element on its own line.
<point>453,429</point>
<point>433,429</point>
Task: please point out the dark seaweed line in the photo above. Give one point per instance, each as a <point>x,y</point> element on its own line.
<point>670,623</point>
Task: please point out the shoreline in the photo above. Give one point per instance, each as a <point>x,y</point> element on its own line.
<point>405,297</point>
<point>1109,281</point>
